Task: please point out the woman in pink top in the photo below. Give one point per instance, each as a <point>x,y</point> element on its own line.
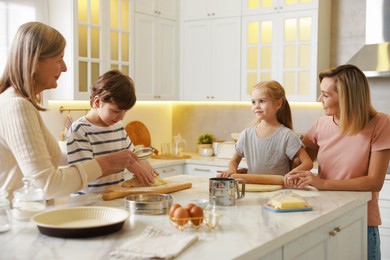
<point>351,144</point>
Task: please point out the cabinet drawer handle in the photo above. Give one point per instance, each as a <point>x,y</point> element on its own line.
<point>335,231</point>
<point>168,170</point>
<point>201,170</point>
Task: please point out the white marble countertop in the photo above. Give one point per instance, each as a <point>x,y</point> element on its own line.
<point>245,230</point>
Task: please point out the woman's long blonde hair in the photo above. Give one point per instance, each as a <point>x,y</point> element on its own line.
<point>276,92</point>
<point>355,105</point>
<point>33,42</point>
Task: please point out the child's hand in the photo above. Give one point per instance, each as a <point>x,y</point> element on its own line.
<point>224,174</point>
<point>115,162</point>
<point>143,171</point>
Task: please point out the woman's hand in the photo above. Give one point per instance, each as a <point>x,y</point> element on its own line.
<point>298,179</point>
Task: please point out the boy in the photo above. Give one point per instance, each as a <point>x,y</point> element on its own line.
<point>101,130</point>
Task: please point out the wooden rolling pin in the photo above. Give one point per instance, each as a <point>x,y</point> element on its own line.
<point>259,178</point>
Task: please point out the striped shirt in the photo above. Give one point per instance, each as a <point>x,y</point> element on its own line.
<point>86,141</point>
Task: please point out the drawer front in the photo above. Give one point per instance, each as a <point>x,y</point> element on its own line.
<point>203,170</point>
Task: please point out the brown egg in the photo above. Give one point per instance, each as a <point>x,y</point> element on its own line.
<point>189,206</point>
<point>173,208</point>
<point>197,213</point>
<point>181,216</point>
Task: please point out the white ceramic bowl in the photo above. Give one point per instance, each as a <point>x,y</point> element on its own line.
<point>206,151</point>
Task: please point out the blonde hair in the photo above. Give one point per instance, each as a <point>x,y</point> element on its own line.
<point>355,105</point>
<point>33,42</point>
<point>276,92</point>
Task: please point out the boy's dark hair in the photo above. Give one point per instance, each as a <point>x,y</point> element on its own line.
<point>114,87</point>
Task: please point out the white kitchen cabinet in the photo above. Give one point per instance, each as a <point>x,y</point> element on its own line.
<point>252,7</point>
<point>384,229</point>
<point>211,60</point>
<point>203,170</point>
<point>156,58</point>
<point>290,45</point>
<point>98,35</point>
<point>156,49</point>
<point>342,238</point>
<point>168,171</point>
<point>206,9</point>
<point>168,9</point>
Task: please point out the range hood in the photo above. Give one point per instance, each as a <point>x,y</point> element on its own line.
<point>374,57</point>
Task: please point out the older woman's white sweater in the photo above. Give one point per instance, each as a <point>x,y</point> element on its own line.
<point>27,148</point>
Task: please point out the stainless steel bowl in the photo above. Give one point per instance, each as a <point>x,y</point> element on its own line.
<point>149,204</point>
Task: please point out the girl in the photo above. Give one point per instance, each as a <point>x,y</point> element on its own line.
<point>270,146</point>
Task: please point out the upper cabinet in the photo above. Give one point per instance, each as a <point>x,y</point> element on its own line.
<point>287,41</point>
<point>98,34</point>
<point>168,9</point>
<point>210,50</point>
<point>156,50</point>
<point>210,47</point>
<point>206,9</point>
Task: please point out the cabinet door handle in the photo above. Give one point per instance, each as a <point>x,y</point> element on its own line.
<point>201,170</point>
<point>335,231</point>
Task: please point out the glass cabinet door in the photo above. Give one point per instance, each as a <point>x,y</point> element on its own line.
<point>297,55</point>
<point>120,36</point>
<point>250,7</point>
<point>259,56</point>
<point>89,47</point>
<point>104,37</point>
<point>281,47</point>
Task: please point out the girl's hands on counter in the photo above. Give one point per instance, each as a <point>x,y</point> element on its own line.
<point>225,174</point>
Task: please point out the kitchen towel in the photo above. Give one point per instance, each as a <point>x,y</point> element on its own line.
<point>154,243</point>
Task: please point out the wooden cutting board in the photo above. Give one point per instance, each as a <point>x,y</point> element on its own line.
<point>118,191</point>
<point>171,156</point>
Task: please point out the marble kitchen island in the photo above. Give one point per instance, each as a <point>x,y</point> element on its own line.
<point>335,229</point>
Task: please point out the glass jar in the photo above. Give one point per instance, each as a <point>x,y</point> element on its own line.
<point>28,200</point>
<point>5,211</point>
<point>179,145</point>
